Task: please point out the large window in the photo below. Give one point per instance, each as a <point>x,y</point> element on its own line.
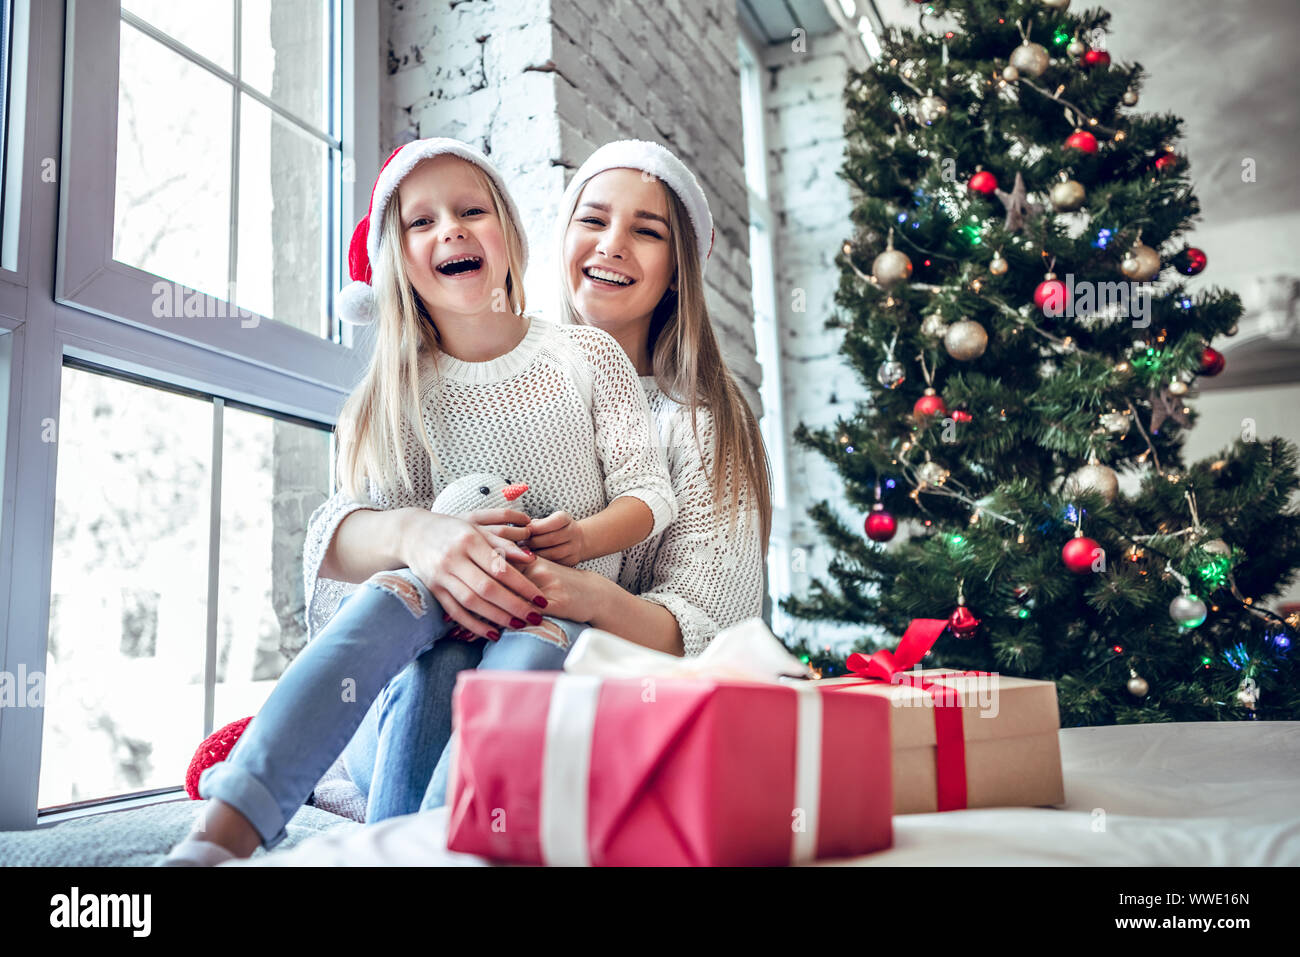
<point>766,334</point>
<point>176,589</point>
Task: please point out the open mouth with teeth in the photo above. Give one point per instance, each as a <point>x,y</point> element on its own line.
<point>461,265</point>
<point>605,277</point>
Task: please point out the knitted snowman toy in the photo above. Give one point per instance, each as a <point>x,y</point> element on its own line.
<point>471,493</point>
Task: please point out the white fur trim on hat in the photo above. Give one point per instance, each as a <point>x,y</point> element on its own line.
<point>356,303</point>
<point>411,155</point>
<point>660,162</point>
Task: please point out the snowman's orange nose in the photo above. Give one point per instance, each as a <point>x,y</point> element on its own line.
<point>512,492</point>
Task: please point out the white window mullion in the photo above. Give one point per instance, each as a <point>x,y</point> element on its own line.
<point>214,570</point>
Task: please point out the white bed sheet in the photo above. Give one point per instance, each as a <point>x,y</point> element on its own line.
<point>1156,794</point>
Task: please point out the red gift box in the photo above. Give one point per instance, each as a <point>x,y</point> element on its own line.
<point>574,769</point>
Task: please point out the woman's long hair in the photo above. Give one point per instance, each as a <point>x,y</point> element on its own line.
<point>688,367</point>
<point>382,416</point>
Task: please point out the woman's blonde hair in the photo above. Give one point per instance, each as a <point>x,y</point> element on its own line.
<point>689,368</point>
<point>377,420</point>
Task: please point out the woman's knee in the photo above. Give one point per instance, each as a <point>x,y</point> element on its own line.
<point>405,585</point>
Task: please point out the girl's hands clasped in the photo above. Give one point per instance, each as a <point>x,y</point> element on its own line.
<point>464,565</point>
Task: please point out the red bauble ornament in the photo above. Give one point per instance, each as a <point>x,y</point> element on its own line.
<point>1166,159</point>
<point>929,404</point>
<point>1082,140</point>
<point>1050,295</point>
<point>961,415</point>
<point>1079,554</point>
<point>1192,261</point>
<point>963,622</point>
<point>983,182</point>
<point>1096,58</point>
<point>880,526</point>
<point>1212,361</point>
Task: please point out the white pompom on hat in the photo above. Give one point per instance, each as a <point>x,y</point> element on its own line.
<point>658,161</point>
<point>356,300</point>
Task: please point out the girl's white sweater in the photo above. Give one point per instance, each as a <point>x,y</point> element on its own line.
<point>563,411</point>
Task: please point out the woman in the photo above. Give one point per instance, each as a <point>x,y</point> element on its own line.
<point>636,234</point>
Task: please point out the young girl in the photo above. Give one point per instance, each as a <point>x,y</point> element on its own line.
<point>461,381</point>
<point>635,232</point>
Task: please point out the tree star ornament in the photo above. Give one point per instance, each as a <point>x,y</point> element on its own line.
<point>1164,405</point>
<point>1017,204</point>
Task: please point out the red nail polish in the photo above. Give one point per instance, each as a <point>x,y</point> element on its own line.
<point>517,622</point>
<point>534,618</point>
<point>494,635</point>
<point>539,601</point>
<point>446,617</point>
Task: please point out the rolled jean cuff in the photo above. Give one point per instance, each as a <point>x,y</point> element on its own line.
<point>250,797</point>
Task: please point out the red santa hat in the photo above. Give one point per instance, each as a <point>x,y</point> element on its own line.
<point>356,300</point>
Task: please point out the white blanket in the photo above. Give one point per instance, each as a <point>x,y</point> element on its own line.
<point>1163,794</point>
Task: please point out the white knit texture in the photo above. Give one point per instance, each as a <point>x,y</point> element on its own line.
<point>703,569</point>
<point>563,412</point>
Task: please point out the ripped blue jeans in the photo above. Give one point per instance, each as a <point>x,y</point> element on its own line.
<point>322,697</point>
<point>400,756</point>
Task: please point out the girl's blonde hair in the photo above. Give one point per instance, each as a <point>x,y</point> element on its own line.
<point>377,420</point>
<point>688,367</point>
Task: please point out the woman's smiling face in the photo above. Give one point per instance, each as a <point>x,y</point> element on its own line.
<point>453,243</point>
<point>617,250</point>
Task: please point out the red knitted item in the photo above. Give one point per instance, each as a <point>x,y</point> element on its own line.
<point>215,748</point>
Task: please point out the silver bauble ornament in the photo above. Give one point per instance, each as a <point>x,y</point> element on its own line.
<point>933,326</point>
<point>998,266</point>
<point>931,473</point>
<point>1141,262</point>
<point>1010,74</point>
<point>1187,611</point>
<point>1216,546</point>
<point>1030,58</point>
<point>1232,330</point>
<point>1116,422</point>
<point>1095,477</point>
<point>1138,687</point>
<point>1056,4</point>
<point>1068,196</point>
<point>1178,387</point>
<point>891,374</point>
<point>1076,48</point>
<point>931,108</point>
<point>965,340</point>
<point>1130,98</point>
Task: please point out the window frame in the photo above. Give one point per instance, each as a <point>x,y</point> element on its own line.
<point>60,302</point>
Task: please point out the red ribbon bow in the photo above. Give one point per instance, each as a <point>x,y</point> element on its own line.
<point>950,738</point>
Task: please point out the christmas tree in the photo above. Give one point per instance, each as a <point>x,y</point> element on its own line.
<point>1013,298</point>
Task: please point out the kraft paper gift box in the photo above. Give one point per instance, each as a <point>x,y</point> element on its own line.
<point>961,739</point>
<point>696,765</point>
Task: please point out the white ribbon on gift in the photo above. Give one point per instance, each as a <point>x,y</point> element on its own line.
<point>747,651</point>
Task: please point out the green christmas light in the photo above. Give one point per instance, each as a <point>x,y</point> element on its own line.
<point>1205,661</point>
<point>1215,571</point>
<point>972,232</point>
<point>957,539</point>
<point>1060,36</point>
<point>804,659</point>
<point>1023,613</point>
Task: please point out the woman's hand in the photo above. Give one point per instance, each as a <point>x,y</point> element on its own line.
<point>467,572</point>
<point>505,528</point>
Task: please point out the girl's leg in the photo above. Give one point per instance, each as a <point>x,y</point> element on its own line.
<point>320,700</point>
<point>408,727</point>
<point>541,649</point>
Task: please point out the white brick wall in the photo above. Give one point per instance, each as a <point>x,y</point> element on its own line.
<point>609,69</point>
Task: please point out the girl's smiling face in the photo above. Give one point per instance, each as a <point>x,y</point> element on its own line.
<point>617,250</point>
<point>452,239</point>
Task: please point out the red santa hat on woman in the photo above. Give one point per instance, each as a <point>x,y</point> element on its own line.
<point>356,300</point>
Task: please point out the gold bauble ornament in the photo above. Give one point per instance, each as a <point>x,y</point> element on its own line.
<point>891,267</point>
<point>1095,477</point>
<point>965,340</point>
<point>1056,4</point>
<point>1217,546</point>
<point>1076,48</point>
<point>1130,98</point>
<point>1141,262</point>
<point>1010,74</point>
<point>1030,58</point>
<point>1178,387</point>
<point>1138,687</point>
<point>1068,195</point>
<point>933,326</point>
<point>998,266</point>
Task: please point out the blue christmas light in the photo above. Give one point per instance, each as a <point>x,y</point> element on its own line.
<point>902,217</point>
<point>915,224</point>
<point>1103,237</point>
<point>1073,514</point>
<point>1186,304</point>
<point>889,483</point>
<point>1280,641</point>
<point>1236,656</point>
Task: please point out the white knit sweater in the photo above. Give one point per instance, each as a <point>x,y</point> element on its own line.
<point>705,570</point>
<point>563,411</point>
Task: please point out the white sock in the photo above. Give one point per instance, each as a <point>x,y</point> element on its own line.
<point>196,852</point>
